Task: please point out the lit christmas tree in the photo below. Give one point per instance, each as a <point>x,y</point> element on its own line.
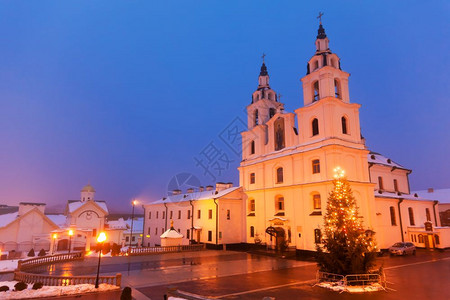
<point>347,248</point>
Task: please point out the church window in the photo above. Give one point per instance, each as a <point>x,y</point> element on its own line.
<point>133,238</point>
<point>280,175</point>
<point>279,134</point>
<point>252,147</point>
<point>228,214</point>
<point>420,238</point>
<point>436,239</point>
<point>148,231</point>
<point>315,127</point>
<point>163,214</point>
<point>210,214</point>
<point>149,214</point>
<point>179,214</point>
<point>252,231</point>
<point>156,231</point>
<point>189,214</point>
<point>199,214</point>
<point>188,235</point>
<point>395,185</point>
<point>317,203</point>
<point>393,220</point>
<point>252,178</point>
<point>344,125</point>
<point>337,89</point>
<point>411,216</point>
<point>317,236</point>
<point>157,213</point>
<point>209,236</point>
<point>251,205</point>
<point>272,112</point>
<point>171,214</point>
<point>279,203</point>
<point>256,117</point>
<point>127,238</point>
<point>427,212</point>
<point>316,166</point>
<point>316,91</point>
<point>380,183</point>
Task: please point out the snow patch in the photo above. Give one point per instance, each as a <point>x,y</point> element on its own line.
<point>339,287</point>
<point>52,291</point>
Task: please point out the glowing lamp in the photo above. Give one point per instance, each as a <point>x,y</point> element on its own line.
<point>135,202</point>
<point>55,236</point>
<point>101,237</point>
<point>70,232</point>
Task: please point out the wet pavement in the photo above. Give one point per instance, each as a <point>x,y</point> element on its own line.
<point>238,275</point>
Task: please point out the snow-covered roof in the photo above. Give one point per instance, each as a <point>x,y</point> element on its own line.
<point>442,195</point>
<point>171,234</point>
<point>411,196</point>
<point>138,225</point>
<point>205,195</point>
<point>377,158</point>
<point>75,204</point>
<point>5,219</point>
<point>59,220</point>
<point>118,224</point>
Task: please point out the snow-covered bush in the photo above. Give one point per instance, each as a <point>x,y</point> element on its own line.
<point>42,252</point>
<point>31,253</point>
<point>37,286</point>
<point>4,288</point>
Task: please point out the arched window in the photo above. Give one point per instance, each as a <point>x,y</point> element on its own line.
<point>315,127</point>
<point>279,203</point>
<point>411,216</point>
<point>251,205</point>
<point>280,175</point>
<point>337,89</point>
<point>316,91</point>
<point>252,147</point>
<point>395,185</point>
<point>436,239</point>
<point>317,203</point>
<point>420,238</point>
<point>279,134</point>
<point>393,220</point>
<point>317,236</point>
<point>380,183</point>
<point>427,212</point>
<point>256,117</point>
<point>316,65</point>
<point>252,178</point>
<point>252,231</point>
<point>272,112</point>
<point>344,125</point>
<point>316,166</point>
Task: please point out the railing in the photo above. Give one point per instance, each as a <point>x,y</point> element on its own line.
<point>43,260</point>
<point>165,249</point>
<point>50,280</point>
<point>352,279</point>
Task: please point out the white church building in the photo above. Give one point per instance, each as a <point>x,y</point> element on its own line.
<point>286,174</point>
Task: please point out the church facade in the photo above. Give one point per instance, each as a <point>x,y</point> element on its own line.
<point>287,166</point>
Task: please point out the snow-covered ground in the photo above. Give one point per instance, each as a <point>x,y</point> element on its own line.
<point>351,289</point>
<point>51,291</point>
<point>8,265</point>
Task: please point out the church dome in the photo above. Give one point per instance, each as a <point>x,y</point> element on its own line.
<point>88,188</point>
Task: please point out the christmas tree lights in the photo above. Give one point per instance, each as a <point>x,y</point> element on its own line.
<point>347,247</point>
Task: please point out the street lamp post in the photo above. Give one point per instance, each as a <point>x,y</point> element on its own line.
<point>134,202</point>
<point>70,239</point>
<point>100,239</point>
<point>55,236</point>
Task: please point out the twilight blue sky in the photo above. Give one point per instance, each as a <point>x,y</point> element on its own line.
<point>125,94</point>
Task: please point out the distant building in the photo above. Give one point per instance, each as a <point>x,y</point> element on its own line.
<point>27,226</point>
<point>213,215</point>
<point>441,195</point>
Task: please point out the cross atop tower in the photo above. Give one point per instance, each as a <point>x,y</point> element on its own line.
<point>320,17</point>
<point>263,56</point>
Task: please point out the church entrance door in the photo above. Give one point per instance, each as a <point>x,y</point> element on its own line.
<point>63,245</point>
<point>280,239</point>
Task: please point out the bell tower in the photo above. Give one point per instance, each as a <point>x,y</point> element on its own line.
<point>324,77</point>
<point>327,112</point>
<point>264,101</point>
